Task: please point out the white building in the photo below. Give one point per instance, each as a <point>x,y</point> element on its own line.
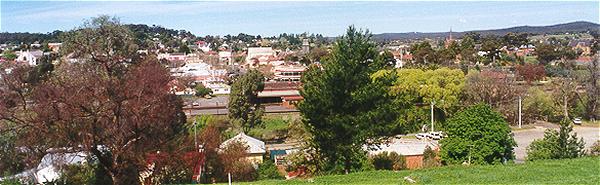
<point>201,72</point>
<point>288,72</point>
<point>225,56</point>
<point>259,53</point>
<point>30,57</point>
<point>219,88</point>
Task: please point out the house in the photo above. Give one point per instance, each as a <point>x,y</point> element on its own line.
<point>201,72</point>
<point>54,46</point>
<point>50,167</point>
<point>30,57</point>
<point>204,46</point>
<point>288,72</point>
<point>256,148</point>
<point>581,46</point>
<point>177,57</point>
<point>219,88</point>
<point>259,54</point>
<point>411,149</point>
<point>225,56</point>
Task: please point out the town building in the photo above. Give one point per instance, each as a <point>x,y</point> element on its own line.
<point>291,73</point>
<point>259,56</point>
<point>305,46</point>
<point>225,57</point>
<point>256,148</point>
<point>285,93</point>
<point>54,46</point>
<point>30,57</point>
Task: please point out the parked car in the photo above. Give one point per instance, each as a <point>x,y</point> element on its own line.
<point>436,135</point>
<point>577,121</point>
<point>422,135</point>
<point>195,104</point>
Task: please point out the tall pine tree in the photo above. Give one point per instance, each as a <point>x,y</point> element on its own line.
<point>343,107</point>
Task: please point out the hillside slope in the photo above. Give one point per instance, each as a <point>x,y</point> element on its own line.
<point>567,171</point>
<point>572,27</point>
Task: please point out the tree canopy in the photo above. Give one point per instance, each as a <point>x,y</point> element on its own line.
<point>477,134</point>
<point>245,109</point>
<point>343,107</point>
<point>557,144</point>
<point>111,103</point>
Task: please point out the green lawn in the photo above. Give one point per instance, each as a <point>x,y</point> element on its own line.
<point>568,171</point>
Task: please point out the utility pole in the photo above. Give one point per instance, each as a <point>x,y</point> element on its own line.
<point>195,138</point>
<point>432,103</point>
<point>520,112</point>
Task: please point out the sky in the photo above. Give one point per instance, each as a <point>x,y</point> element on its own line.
<point>269,18</point>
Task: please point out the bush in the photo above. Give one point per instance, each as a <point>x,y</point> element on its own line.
<point>556,144</point>
<point>478,134</point>
<point>234,161</point>
<point>430,158</point>
<point>202,91</point>
<point>83,174</point>
<point>270,129</point>
<point>388,161</point>
<point>595,150</point>
<point>538,105</point>
<point>77,174</point>
<point>301,161</point>
<point>268,170</point>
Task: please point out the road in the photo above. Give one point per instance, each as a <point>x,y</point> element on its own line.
<point>223,111</point>
<point>525,137</point>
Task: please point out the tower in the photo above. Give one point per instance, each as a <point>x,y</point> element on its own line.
<point>449,39</point>
<point>305,46</point>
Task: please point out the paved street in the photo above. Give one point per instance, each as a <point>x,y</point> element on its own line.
<point>223,111</point>
<point>525,137</point>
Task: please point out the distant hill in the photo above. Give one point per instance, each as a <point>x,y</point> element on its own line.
<point>572,27</point>
<point>141,31</point>
<point>144,32</point>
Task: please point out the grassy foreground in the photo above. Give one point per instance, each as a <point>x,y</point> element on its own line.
<point>568,171</point>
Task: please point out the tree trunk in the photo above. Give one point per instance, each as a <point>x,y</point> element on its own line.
<point>347,165</point>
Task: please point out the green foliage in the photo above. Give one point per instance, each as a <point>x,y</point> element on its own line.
<point>388,161</point>
<point>416,86</point>
<point>183,48</point>
<point>77,174</point>
<point>301,160</point>
<point>557,144</point>
<point>83,174</point>
<point>12,159</point>
<point>11,181</point>
<point>478,133</point>
<point>423,53</point>
<point>430,158</point>
<point>269,129</point>
<point>537,105</point>
<point>268,170</point>
<point>546,53</point>
<point>595,149</point>
<point>343,107</point>
<point>442,85</point>
<point>9,55</point>
<point>245,109</point>
<point>202,91</point>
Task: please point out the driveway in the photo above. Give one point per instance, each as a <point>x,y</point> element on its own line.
<point>525,137</point>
